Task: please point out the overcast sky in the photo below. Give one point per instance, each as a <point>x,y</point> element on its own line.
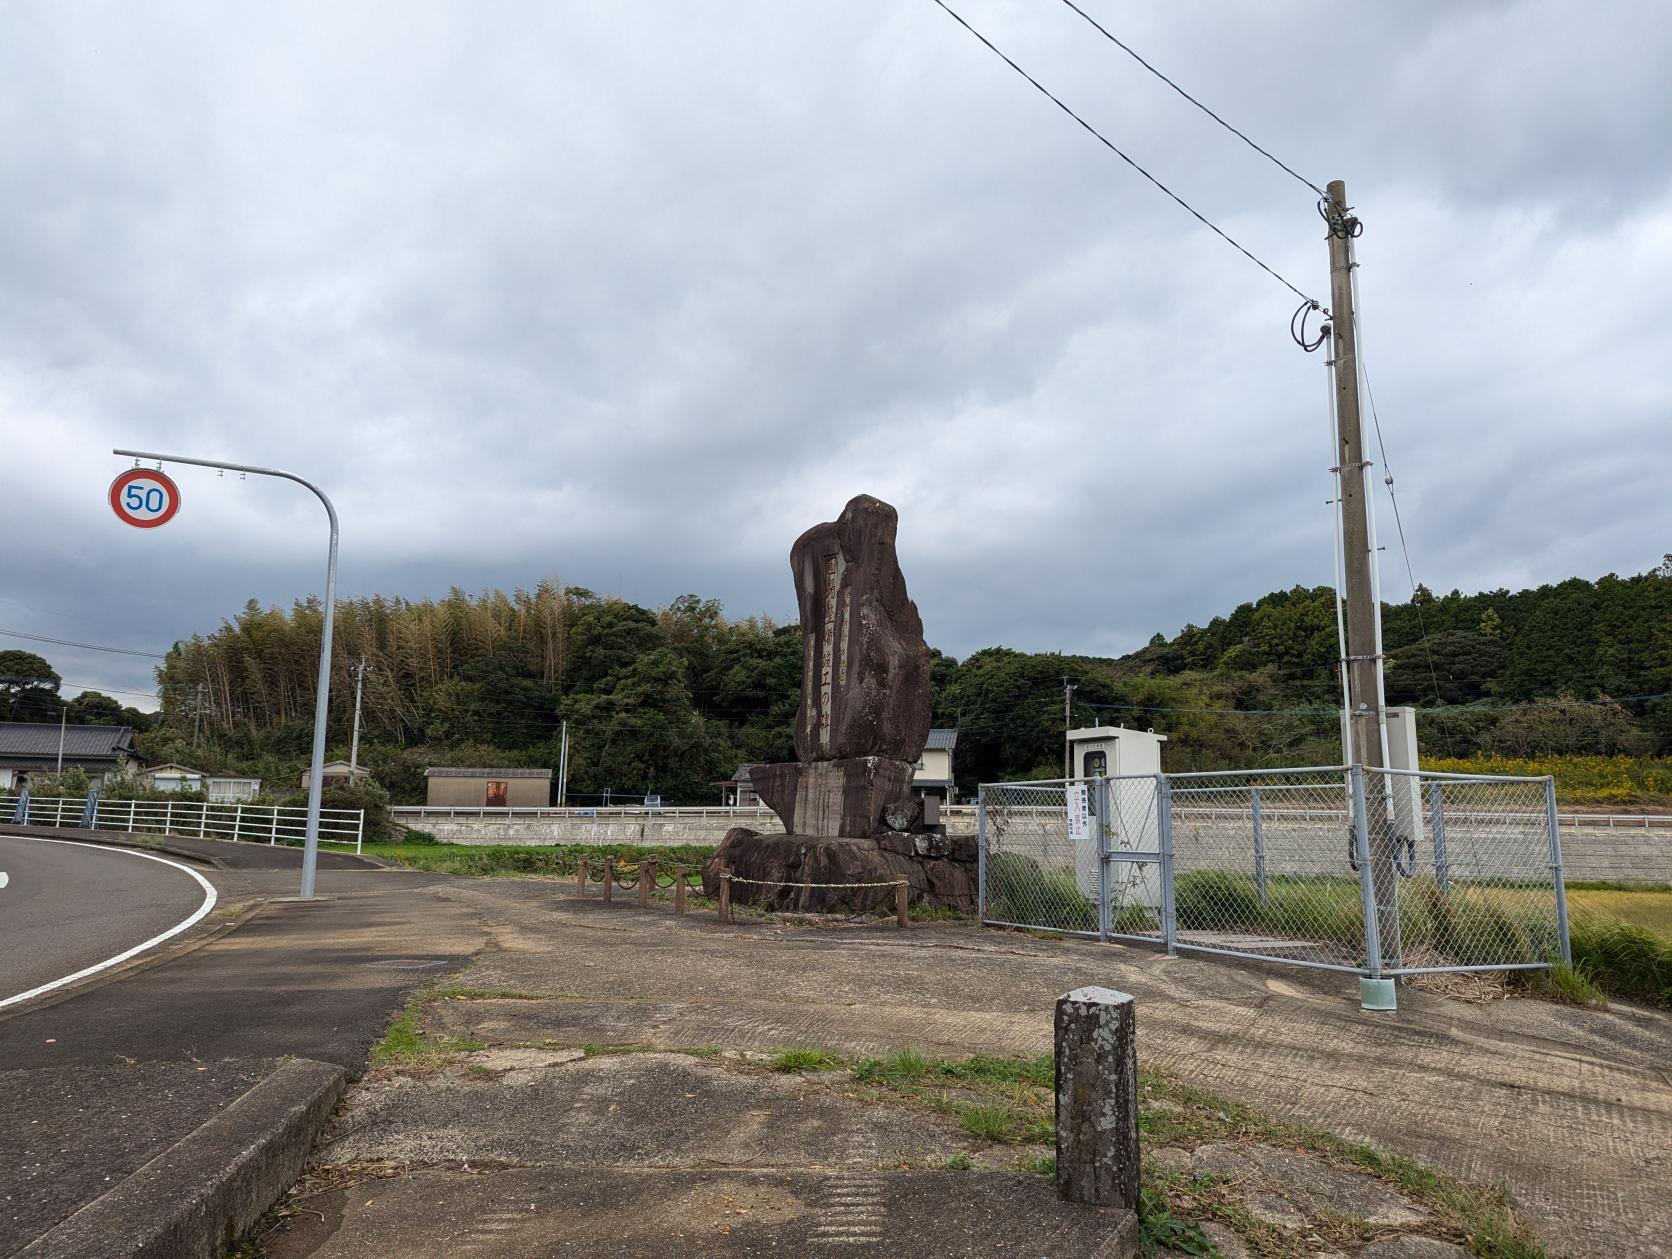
<point>630,294</point>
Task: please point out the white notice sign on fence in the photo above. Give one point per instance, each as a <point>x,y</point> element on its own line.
<point>1079,810</point>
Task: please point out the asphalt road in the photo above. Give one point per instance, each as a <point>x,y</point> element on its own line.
<point>66,907</point>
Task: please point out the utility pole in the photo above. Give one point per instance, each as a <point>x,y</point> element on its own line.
<point>563,769</point>
<point>354,741</point>
<point>197,713</point>
<point>1068,689</point>
<point>1363,662</point>
<point>63,726</point>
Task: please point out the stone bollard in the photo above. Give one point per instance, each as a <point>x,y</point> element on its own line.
<point>678,890</point>
<point>902,898</point>
<point>1097,1098</point>
<point>725,896</point>
<point>609,879</point>
<point>580,877</point>
<point>647,880</point>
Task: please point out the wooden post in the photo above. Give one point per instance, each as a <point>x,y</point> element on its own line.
<point>725,896</point>
<point>1097,1098</point>
<point>902,898</point>
<point>647,880</point>
<point>580,878</point>
<point>679,891</point>
<point>609,879</point>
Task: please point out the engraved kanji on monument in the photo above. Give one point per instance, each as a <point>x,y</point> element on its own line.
<point>865,698</point>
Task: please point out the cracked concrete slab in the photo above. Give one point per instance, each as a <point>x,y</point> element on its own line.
<point>639,1110</point>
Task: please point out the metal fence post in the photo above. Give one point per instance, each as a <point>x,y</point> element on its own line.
<point>132,806</point>
<point>1556,871</point>
<point>1105,889</point>
<point>981,854</point>
<point>238,821</point>
<point>1367,885</point>
<point>1164,818</point>
<point>1259,842</point>
<point>168,818</point>
<point>359,831</point>
<point>1437,824</point>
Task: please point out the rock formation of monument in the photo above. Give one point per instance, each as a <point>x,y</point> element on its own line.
<point>846,801</point>
<point>865,697</point>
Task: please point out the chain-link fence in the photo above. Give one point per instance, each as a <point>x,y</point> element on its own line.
<point>1374,872</point>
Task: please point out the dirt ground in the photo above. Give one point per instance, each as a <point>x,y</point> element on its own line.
<point>1570,1110</point>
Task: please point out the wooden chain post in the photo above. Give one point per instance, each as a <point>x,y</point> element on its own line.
<point>647,880</point>
<point>580,878</point>
<point>725,896</point>
<point>679,891</point>
<point>902,897</point>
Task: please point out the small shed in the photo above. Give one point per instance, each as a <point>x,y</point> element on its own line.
<point>450,787</point>
<point>738,791</point>
<point>172,777</point>
<point>334,772</point>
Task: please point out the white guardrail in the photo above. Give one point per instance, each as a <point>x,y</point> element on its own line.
<point>207,820</point>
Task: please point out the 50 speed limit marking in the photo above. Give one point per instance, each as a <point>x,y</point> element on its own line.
<point>144,498</point>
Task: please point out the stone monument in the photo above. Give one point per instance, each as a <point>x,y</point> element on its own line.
<point>846,800</point>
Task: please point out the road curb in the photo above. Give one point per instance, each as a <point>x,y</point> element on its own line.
<point>199,1195</point>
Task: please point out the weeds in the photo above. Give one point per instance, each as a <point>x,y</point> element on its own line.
<point>803,1060</point>
<point>405,1043</point>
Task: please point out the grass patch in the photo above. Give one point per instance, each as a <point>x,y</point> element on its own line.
<point>536,860</point>
<point>803,1060</point>
<point>407,1046</point>
<point>1160,1229</point>
<point>996,1123</point>
<point>1567,984</point>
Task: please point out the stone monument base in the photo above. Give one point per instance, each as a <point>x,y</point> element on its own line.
<point>843,797</point>
<point>939,870</point>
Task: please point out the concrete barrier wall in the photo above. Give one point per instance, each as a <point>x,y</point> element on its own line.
<point>609,826</point>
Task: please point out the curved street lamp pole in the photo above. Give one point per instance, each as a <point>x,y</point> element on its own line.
<point>310,847</point>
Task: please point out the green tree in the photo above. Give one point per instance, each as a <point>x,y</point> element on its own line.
<point>28,687</point>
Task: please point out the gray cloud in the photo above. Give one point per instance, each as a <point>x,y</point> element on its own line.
<point>633,295</point>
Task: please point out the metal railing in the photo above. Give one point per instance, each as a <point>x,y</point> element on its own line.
<point>1373,872</point>
<point>257,823</point>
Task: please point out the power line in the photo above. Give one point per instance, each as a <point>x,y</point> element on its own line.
<point>65,642</point>
<point>1108,144</point>
<point>1130,52</point>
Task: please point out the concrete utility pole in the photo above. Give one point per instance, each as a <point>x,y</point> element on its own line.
<point>63,726</point>
<point>563,769</point>
<point>354,741</point>
<point>1363,663</point>
<point>197,713</point>
<point>1068,689</point>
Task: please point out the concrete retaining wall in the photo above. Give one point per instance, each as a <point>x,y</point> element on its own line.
<point>605,826</point>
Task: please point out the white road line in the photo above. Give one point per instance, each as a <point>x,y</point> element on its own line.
<point>208,904</point>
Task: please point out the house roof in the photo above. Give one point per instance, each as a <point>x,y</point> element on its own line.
<point>942,740</point>
<point>447,771</point>
<point>152,770</point>
<point>38,741</point>
<point>358,769</point>
<point>740,777</point>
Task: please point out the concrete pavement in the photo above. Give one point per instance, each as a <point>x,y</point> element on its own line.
<point>120,1079</point>
<point>1570,1109</point>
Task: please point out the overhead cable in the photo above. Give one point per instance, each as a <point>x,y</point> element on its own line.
<point>66,642</point>
<point>1130,52</point>
<point>1110,145</point>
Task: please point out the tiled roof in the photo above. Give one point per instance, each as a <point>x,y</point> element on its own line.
<point>942,740</point>
<point>40,739</point>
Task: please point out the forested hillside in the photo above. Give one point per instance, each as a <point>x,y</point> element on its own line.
<point>669,701</point>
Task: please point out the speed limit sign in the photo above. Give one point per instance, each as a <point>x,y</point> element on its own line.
<point>144,498</point>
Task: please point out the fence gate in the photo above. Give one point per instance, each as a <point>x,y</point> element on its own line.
<point>1375,872</point>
